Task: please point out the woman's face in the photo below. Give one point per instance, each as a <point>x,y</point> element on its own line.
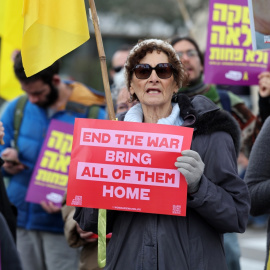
<point>154,91</point>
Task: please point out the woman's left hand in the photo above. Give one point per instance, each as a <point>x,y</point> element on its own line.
<point>191,166</point>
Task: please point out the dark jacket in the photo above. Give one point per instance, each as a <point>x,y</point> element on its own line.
<point>257,178</point>
<point>8,210</point>
<point>149,241</point>
<point>264,107</point>
<point>9,257</point>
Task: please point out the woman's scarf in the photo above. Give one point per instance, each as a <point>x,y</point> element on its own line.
<point>135,114</point>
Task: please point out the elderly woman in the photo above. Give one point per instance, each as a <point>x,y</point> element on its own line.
<point>218,199</point>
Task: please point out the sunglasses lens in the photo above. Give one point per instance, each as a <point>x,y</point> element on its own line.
<point>117,69</point>
<point>142,71</point>
<point>164,71</point>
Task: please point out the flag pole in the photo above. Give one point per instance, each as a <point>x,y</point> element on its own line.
<point>102,58</point>
<point>102,213</point>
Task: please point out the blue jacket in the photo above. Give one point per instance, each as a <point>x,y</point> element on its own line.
<point>32,132</point>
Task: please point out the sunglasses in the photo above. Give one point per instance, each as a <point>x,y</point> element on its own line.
<point>117,69</point>
<point>163,70</point>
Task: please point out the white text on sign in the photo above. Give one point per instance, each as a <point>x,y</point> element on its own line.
<point>136,140</point>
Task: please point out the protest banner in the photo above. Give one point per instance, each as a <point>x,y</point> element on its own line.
<point>259,24</point>
<point>229,57</point>
<point>50,177</point>
<point>128,166</point>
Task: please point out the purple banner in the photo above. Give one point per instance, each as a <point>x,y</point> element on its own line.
<point>50,176</point>
<point>229,57</point>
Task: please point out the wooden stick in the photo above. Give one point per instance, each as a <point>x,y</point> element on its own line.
<point>2,142</point>
<point>102,58</point>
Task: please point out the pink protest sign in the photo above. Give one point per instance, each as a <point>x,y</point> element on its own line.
<point>128,166</point>
<point>50,176</point>
<point>229,57</point>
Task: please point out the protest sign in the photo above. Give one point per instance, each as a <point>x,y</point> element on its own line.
<point>259,24</point>
<point>50,177</point>
<point>229,57</point>
<point>128,166</point>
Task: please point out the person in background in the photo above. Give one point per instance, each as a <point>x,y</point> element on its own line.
<point>192,59</point>
<point>217,200</point>
<point>264,95</point>
<point>9,257</point>
<point>8,210</point>
<point>257,178</point>
<point>116,71</point>
<point>40,239</point>
<point>242,91</point>
<point>123,102</point>
<point>120,94</point>
<point>118,60</point>
<point>77,238</point>
<point>257,173</point>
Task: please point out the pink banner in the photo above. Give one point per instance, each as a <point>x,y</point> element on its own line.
<point>229,57</point>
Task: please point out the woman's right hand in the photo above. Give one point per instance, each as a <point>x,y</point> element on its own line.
<point>85,235</point>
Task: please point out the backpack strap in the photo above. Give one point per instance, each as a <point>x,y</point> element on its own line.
<point>18,116</point>
<point>93,111</point>
<point>225,100</point>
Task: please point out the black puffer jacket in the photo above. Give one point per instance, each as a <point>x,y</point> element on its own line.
<point>149,242</point>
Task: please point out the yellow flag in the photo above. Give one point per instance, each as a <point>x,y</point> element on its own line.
<point>11,30</point>
<point>52,28</point>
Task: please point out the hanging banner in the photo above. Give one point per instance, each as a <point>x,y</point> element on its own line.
<point>50,177</point>
<point>128,166</point>
<point>229,57</point>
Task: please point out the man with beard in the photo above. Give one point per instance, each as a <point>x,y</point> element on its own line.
<point>192,58</point>
<point>40,239</point>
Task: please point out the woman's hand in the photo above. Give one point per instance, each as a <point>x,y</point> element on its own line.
<point>49,207</point>
<point>86,235</point>
<point>191,166</point>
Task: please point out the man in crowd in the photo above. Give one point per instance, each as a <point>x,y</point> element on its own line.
<point>192,59</point>
<point>119,59</point>
<point>40,239</point>
<point>117,73</point>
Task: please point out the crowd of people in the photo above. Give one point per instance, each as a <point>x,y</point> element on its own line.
<point>155,81</point>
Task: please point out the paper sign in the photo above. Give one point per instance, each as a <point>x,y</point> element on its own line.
<point>229,57</point>
<point>128,166</point>
<point>259,24</point>
<point>50,177</point>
